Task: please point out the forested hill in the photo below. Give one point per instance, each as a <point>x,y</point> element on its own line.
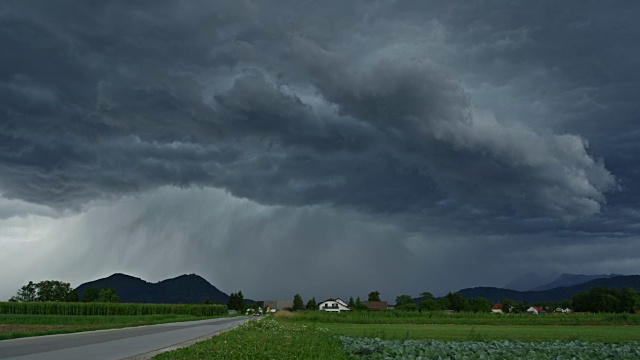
<point>184,289</point>
<point>555,294</point>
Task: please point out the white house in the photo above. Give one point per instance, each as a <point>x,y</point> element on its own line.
<point>333,305</point>
<point>535,310</point>
<point>561,310</point>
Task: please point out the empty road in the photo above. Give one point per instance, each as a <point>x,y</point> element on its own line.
<point>114,344</point>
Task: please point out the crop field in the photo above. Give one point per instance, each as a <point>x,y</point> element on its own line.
<point>316,335</point>
<point>108,309</point>
<point>366,348</point>
<point>35,319</point>
<point>438,317</point>
<point>17,326</point>
<point>605,333</point>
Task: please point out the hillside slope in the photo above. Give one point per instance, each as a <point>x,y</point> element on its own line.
<point>184,289</point>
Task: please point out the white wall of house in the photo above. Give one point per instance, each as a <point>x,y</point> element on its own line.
<point>331,305</point>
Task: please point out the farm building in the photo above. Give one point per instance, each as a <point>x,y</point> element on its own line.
<point>377,305</point>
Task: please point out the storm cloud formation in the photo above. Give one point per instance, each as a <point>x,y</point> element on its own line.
<point>463,123</point>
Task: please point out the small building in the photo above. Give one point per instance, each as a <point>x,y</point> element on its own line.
<point>277,304</point>
<point>376,305</point>
<point>333,305</point>
<point>497,308</point>
<point>536,310</point>
<point>564,311</point>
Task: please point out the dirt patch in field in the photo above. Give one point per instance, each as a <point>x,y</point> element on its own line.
<point>284,314</point>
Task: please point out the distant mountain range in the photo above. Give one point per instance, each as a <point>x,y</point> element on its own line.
<point>184,289</point>
<point>572,279</point>
<point>535,282</point>
<point>555,294</point>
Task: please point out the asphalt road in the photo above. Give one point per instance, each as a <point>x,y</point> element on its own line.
<point>137,343</point>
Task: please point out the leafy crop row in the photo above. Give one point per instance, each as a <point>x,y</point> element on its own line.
<point>366,348</point>
<point>64,308</point>
<point>466,318</point>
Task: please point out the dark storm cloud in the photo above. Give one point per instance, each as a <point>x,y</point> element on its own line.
<point>384,107</point>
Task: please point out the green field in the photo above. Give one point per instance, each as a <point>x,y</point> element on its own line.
<point>607,333</point>
<point>438,317</point>
<point>41,318</point>
<point>265,339</point>
<point>391,335</point>
<point>17,326</point>
<point>108,309</point>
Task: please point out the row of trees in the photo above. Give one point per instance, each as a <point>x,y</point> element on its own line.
<point>48,290</point>
<point>602,299</point>
<point>58,291</point>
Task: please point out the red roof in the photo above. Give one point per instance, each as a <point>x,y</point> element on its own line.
<point>497,307</point>
<point>636,311</point>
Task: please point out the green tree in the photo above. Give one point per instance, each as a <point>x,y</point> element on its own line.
<point>297,302</point>
<point>480,305</point>
<point>27,293</point>
<point>403,300</point>
<point>312,304</point>
<point>91,294</point>
<point>53,290</point>
<point>374,296</point>
<point>628,299</point>
<point>509,306</point>
<point>72,296</point>
<point>236,301</point>
<point>430,304</point>
<point>458,302</point>
<point>351,303</point>
<point>48,290</point>
<point>108,295</point>
<point>360,305</point>
<point>426,295</point>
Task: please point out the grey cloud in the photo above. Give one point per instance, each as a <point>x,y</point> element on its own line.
<point>366,114</point>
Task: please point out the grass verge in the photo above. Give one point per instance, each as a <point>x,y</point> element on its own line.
<point>266,339</point>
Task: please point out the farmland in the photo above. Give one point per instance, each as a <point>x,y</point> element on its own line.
<point>395,334</point>
<point>38,318</point>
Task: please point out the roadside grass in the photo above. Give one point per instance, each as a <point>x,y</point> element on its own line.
<point>439,317</point>
<point>17,326</point>
<point>266,339</point>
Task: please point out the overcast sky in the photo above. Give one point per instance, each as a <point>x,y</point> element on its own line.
<point>329,148</point>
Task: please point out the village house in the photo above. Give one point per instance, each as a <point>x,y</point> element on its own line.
<point>376,305</point>
<point>564,311</point>
<point>536,310</point>
<point>333,305</point>
<point>497,308</point>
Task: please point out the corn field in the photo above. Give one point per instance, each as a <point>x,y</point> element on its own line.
<point>73,308</point>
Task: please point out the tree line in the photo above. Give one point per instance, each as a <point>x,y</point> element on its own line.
<point>59,291</point>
